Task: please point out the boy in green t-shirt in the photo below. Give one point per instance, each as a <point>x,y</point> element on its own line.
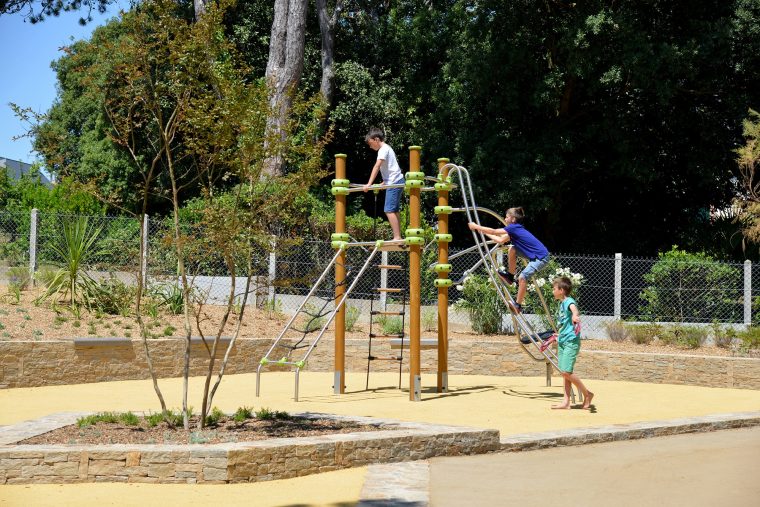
<point>569,341</point>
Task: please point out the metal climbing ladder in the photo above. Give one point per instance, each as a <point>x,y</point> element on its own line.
<point>323,316</point>
<point>383,312</point>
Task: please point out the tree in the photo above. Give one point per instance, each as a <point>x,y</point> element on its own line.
<point>36,13</point>
<point>748,160</point>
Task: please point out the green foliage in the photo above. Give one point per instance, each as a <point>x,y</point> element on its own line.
<point>266,414</point>
<point>723,336</point>
<point>690,287</point>
<point>352,315</point>
<point>483,305</point>
<point>169,296</point>
<point>74,250</point>
<point>617,331</point>
<point>214,417</point>
<point>273,308</point>
<point>18,276</point>
<point>644,334</point>
<point>126,418</point>
<point>313,320</point>
<point>690,337</point>
<point>114,297</point>
<point>429,319</point>
<point>544,283</point>
<point>750,338</point>
<point>242,414</point>
<point>390,325</point>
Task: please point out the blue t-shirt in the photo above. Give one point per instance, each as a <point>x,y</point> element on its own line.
<point>565,331</point>
<point>525,242</point>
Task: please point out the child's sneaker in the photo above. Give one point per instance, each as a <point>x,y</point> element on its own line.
<point>506,276</point>
<point>516,307</point>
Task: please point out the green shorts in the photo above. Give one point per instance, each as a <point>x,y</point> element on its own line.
<point>568,353</point>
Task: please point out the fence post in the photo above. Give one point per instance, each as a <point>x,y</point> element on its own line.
<point>748,293</point>
<point>500,257</point>
<point>272,270</point>
<point>32,245</point>
<point>618,285</point>
<point>144,259</point>
<point>384,281</point>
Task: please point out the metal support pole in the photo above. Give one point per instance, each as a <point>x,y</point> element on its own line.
<point>442,385</point>
<point>618,285</point>
<point>272,271</point>
<point>339,386</point>
<point>32,245</point>
<point>748,293</point>
<point>415,262</point>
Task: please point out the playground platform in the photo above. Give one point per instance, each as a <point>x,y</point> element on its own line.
<point>513,405</point>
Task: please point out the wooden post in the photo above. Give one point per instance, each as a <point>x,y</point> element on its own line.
<point>339,377</point>
<point>415,262</point>
<point>443,292</point>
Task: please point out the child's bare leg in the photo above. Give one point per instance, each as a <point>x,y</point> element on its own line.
<point>566,400</point>
<point>587,395</point>
<point>512,260</point>
<point>522,287</point>
<point>393,219</point>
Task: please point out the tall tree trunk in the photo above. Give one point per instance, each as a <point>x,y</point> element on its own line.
<point>284,69</point>
<point>327,31</point>
<point>199,7</point>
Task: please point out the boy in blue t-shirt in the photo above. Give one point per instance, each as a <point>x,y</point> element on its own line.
<point>568,339</point>
<point>523,243</point>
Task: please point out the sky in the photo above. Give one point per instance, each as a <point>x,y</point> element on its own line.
<point>26,78</point>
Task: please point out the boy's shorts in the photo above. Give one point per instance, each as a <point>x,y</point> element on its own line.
<point>533,267</point>
<point>393,200</point>
<point>567,354</point>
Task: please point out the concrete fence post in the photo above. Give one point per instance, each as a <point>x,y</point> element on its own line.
<point>384,282</point>
<point>272,274</point>
<point>32,245</point>
<point>618,285</point>
<point>748,293</point>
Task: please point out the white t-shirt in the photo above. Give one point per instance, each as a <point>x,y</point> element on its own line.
<point>390,169</point>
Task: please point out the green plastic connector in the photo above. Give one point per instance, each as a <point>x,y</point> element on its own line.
<point>341,155</point>
<point>339,236</point>
<point>443,238</point>
<point>413,233</point>
<point>379,243</point>
<point>443,187</point>
<point>443,282</point>
<point>443,210</point>
<point>300,364</point>
<point>340,183</point>
<point>339,245</point>
<point>443,159</point>
<point>442,268</point>
<point>414,240</point>
<point>282,360</point>
<point>264,362</point>
<point>336,191</point>
<point>413,184</point>
<point>414,175</point>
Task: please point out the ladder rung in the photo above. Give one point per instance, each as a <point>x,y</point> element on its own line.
<point>389,358</point>
<point>378,312</point>
<point>380,289</point>
<point>393,335</point>
<point>388,266</point>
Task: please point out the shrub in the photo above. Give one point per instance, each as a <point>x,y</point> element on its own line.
<point>114,297</point>
<point>214,417</point>
<point>482,304</point>
<point>266,414</point>
<point>723,336</point>
<point>391,325</point>
<point>690,337</point>
<point>18,276</point>
<point>690,287</point>
<point>617,331</point>
<point>242,414</point>
<point>642,334</point>
<point>352,315</point>
<point>750,338</point>
<point>544,283</point>
<point>429,319</point>
<point>273,308</point>
<point>169,295</point>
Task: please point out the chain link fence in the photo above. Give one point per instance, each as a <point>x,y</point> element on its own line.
<point>611,288</point>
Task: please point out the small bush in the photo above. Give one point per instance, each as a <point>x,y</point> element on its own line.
<point>352,315</point>
<point>114,297</point>
<point>391,325</point>
<point>429,319</point>
<point>214,417</point>
<point>19,277</point>
<point>169,295</point>
<point>314,321</point>
<point>617,331</point>
<point>126,418</point>
<point>723,337</point>
<point>482,304</point>
<point>242,414</point>
<point>641,335</point>
<point>266,414</point>
<point>273,308</point>
<point>690,337</point>
<point>750,338</point>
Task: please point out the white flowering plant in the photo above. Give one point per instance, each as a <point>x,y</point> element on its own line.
<point>543,281</point>
<point>482,303</point>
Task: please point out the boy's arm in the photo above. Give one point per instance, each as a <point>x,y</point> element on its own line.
<point>487,230</point>
<point>500,239</point>
<point>372,176</point>
<point>576,314</point>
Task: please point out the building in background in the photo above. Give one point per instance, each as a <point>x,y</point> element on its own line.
<point>16,169</point>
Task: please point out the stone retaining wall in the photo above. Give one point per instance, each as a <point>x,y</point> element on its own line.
<point>264,460</point>
<point>39,363</point>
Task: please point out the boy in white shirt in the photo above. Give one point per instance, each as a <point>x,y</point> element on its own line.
<point>388,166</point>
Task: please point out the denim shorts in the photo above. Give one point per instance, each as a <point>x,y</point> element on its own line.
<point>393,200</point>
<point>533,267</point>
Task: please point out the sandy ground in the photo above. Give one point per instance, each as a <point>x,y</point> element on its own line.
<point>705,469</point>
<point>510,404</point>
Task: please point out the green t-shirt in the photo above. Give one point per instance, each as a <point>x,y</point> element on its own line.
<point>565,329</point>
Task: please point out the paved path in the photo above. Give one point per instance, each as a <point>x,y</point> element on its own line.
<point>703,469</point>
